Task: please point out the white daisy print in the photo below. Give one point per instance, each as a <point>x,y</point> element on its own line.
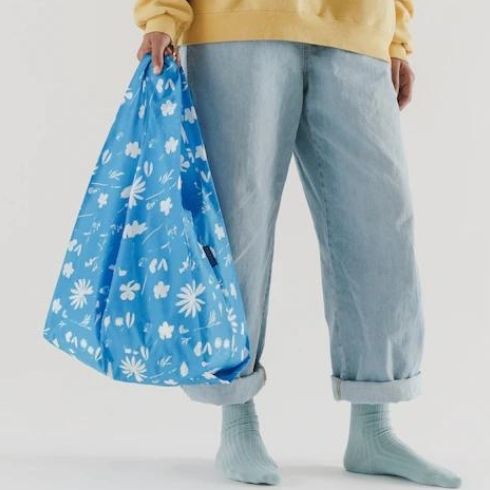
<point>141,111</point>
<point>102,199</point>
<point>171,145</point>
<point>81,289</point>
<point>189,301</point>
<point>160,290</point>
<point>133,149</point>
<point>128,290</point>
<point>133,368</point>
<point>219,231</point>
<point>168,108</point>
<point>165,206</point>
<point>68,269</point>
<point>165,330</point>
<point>56,305</point>
<point>134,191</point>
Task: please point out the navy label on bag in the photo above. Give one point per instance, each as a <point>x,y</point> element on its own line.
<point>210,256</point>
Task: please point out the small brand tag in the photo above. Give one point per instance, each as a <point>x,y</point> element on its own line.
<point>210,256</point>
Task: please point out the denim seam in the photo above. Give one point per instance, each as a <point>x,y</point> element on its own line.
<point>326,233</point>
<point>329,253</point>
<point>263,326</point>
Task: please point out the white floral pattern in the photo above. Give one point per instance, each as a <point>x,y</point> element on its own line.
<point>137,298</point>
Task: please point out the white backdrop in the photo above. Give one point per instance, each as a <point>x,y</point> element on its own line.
<point>65,66</point>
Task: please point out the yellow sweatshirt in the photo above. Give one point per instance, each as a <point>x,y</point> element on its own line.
<point>377,28</point>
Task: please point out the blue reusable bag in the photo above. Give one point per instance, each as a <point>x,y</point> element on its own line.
<point>148,292</point>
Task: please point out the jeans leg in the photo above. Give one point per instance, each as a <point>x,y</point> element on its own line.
<point>351,161</point>
<point>248,100</point>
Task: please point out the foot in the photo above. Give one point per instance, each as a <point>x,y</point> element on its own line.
<point>373,448</point>
<point>242,455</point>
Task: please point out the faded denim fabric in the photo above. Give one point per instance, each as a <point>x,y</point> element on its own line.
<point>260,102</point>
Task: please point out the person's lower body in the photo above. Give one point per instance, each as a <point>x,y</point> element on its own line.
<point>258,103</point>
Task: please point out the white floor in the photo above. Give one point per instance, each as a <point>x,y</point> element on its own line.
<point>99,473</point>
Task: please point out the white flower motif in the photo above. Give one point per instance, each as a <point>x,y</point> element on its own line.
<point>201,153</point>
<point>189,301</point>
<point>168,108</point>
<point>190,115</point>
<point>156,265</point>
<point>171,145</point>
<point>141,111</point>
<point>68,269</point>
<point>159,85</point>
<point>106,156</point>
<point>165,330</point>
<point>184,370</point>
<point>128,290</point>
<point>219,231</point>
<point>165,206</point>
<point>233,290</point>
<point>132,367</point>
<point>82,288</point>
<point>72,244</point>
<point>134,229</point>
<point>56,305</point>
<point>134,191</point>
<point>119,321</point>
<point>160,290</point>
<point>102,199</point>
<point>133,149</point>
<point>148,168</point>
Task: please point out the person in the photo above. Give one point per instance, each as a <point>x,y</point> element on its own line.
<point>324,81</point>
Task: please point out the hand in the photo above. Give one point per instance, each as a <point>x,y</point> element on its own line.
<point>158,44</point>
<point>403,79</point>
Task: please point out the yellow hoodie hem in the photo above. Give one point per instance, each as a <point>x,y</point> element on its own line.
<point>211,27</point>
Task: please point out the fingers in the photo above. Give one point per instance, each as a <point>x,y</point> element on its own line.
<point>156,44</point>
<point>405,92</point>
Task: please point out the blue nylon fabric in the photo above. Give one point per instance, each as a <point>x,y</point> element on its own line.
<point>148,291</point>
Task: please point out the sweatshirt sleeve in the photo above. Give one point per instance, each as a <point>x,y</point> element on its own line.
<point>170,16</point>
<point>401,45</point>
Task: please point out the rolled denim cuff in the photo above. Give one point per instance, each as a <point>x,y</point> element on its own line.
<point>376,391</point>
<point>239,390</point>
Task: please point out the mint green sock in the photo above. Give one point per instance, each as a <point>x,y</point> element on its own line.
<point>242,455</point>
<point>374,448</point>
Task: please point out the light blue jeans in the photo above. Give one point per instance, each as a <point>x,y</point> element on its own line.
<point>260,102</point>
